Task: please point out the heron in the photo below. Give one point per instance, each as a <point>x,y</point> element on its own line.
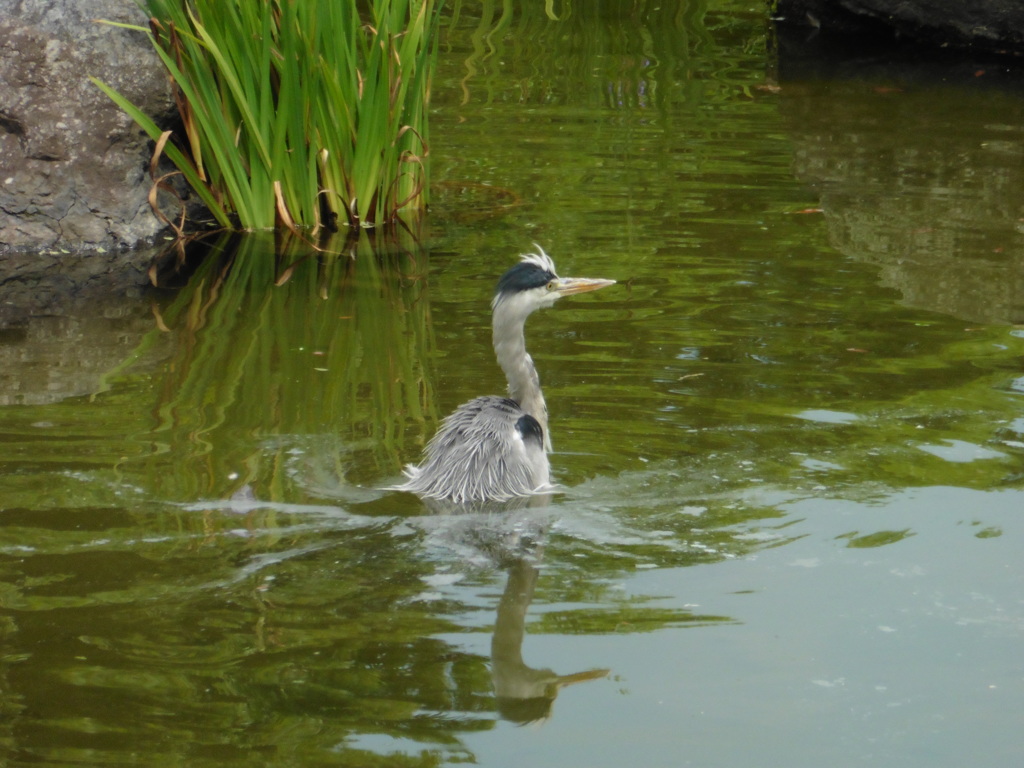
<point>492,448</point>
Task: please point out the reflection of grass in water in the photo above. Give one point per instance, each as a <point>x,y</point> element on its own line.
<point>328,362</point>
<point>572,42</point>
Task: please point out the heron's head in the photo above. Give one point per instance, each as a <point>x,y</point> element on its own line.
<point>533,283</point>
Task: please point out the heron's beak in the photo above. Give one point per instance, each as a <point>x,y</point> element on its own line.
<point>567,286</point>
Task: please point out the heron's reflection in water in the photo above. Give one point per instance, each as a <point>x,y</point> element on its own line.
<point>510,536</point>
<point>524,694</point>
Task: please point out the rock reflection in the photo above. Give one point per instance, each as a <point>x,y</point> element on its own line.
<point>66,323</point>
<point>917,167</point>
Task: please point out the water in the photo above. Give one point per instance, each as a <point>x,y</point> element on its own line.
<point>791,441</point>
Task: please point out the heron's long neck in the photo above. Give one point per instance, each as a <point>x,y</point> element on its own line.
<point>523,382</point>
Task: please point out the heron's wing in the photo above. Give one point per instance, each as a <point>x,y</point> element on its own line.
<point>489,449</point>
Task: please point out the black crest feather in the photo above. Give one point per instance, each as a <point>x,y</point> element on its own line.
<point>524,276</point>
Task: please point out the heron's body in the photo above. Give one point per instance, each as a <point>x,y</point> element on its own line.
<point>495,448</point>
<point>489,449</point>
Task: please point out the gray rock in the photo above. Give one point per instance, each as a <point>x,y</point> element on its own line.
<point>73,166</point>
<point>993,25</point>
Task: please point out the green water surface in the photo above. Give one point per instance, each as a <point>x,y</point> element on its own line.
<point>791,440</point>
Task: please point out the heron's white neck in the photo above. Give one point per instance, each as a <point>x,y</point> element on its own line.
<point>510,349</point>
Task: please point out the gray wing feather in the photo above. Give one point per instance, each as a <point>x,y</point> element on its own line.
<point>479,454</point>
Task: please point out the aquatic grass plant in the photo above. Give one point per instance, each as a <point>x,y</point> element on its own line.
<point>296,112</point>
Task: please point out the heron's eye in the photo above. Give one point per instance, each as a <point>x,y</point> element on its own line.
<point>552,285</point>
